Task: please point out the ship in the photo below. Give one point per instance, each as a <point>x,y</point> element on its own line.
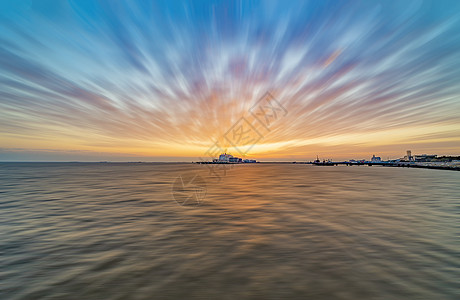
<point>226,158</point>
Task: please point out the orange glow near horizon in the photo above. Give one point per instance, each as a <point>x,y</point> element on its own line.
<point>280,143</point>
<point>370,78</point>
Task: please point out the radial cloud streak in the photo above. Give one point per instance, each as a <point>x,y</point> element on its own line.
<point>91,80</point>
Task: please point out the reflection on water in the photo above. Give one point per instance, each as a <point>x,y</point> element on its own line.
<point>264,231</point>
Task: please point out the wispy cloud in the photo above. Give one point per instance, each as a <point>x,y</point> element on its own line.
<point>169,77</point>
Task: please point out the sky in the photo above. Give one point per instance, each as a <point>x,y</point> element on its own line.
<point>174,80</point>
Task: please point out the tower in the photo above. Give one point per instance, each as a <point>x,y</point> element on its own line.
<point>409,155</point>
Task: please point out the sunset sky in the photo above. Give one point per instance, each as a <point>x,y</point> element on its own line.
<point>165,80</point>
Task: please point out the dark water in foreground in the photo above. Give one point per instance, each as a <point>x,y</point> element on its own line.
<point>265,231</point>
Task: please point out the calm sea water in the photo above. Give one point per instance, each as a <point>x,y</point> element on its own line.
<point>262,231</point>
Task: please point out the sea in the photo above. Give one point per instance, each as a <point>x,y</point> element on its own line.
<point>248,231</point>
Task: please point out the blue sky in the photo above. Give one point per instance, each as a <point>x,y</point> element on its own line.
<point>162,80</point>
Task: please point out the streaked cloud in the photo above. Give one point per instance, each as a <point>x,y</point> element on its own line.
<point>167,78</point>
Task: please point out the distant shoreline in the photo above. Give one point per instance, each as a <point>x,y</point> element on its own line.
<point>424,165</point>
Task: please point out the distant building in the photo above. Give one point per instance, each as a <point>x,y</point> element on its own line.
<point>225,157</point>
<point>419,158</point>
<point>376,158</point>
<point>228,158</point>
<point>233,159</point>
<point>408,157</point>
<point>425,157</point>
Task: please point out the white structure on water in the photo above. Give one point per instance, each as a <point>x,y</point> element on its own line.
<point>225,157</point>
<point>228,158</point>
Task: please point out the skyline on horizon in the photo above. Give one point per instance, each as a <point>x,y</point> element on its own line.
<point>162,81</point>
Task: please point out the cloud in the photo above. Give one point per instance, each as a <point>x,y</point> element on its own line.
<point>158,75</point>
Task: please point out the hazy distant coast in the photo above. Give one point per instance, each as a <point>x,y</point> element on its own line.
<point>454,166</point>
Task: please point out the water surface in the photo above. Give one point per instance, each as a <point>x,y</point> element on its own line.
<point>262,231</point>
